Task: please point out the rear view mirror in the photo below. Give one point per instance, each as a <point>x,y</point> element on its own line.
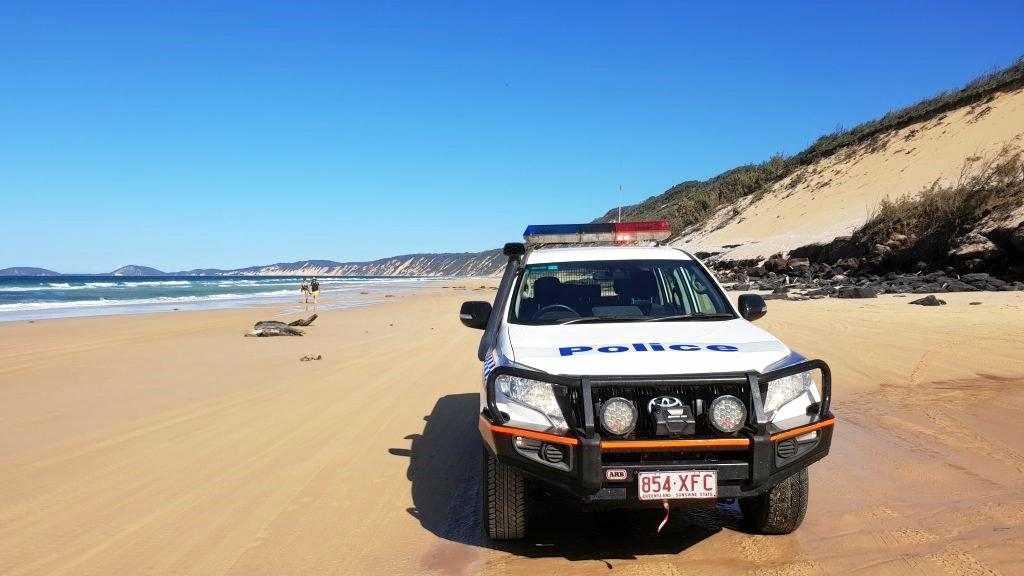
<point>752,306</point>
<point>475,314</point>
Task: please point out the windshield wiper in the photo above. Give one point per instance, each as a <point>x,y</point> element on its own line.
<point>586,319</point>
<point>685,317</point>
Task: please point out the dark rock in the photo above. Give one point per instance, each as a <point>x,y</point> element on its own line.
<point>975,303</point>
<point>799,265</point>
<point>857,292</point>
<point>1017,238</point>
<point>775,263</point>
<point>974,246</point>
<point>928,301</point>
<point>958,286</point>
<point>976,277</point>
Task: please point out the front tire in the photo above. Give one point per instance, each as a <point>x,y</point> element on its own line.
<point>506,501</point>
<point>780,510</point>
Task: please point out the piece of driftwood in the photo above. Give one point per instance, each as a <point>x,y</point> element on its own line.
<point>278,328</point>
<point>270,324</point>
<point>275,329</point>
<point>301,322</point>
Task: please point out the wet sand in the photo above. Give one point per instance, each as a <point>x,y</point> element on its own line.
<point>170,444</point>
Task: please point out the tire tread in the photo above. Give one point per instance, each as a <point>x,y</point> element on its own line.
<point>505,500</point>
<point>781,509</point>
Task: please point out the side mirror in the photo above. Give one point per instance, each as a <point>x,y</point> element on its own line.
<point>475,314</point>
<point>752,306</point>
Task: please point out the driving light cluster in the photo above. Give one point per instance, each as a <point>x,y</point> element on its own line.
<point>784,390</point>
<point>727,413</point>
<point>618,416</point>
<point>538,397</point>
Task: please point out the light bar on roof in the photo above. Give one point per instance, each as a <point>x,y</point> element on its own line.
<point>618,232</point>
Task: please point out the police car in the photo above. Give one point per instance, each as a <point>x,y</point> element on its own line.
<point>616,371</point>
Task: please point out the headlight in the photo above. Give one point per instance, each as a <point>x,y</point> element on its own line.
<point>512,393</point>
<point>618,416</point>
<point>727,413</point>
<point>784,390</point>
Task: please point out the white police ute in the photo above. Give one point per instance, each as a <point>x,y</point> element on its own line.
<point>617,372</point>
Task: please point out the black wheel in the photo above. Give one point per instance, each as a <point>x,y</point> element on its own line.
<point>779,510</point>
<point>506,500</point>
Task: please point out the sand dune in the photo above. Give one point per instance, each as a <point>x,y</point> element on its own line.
<point>169,444</point>
<point>836,195</point>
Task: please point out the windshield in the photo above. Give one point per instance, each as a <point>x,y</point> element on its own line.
<point>616,291</point>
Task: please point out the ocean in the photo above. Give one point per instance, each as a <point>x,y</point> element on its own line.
<point>32,298</point>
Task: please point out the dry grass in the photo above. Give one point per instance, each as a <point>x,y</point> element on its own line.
<point>936,219</point>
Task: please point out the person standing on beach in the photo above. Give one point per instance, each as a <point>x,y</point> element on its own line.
<point>305,291</point>
<point>314,288</point>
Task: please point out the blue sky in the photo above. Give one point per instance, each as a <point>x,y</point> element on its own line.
<point>184,135</point>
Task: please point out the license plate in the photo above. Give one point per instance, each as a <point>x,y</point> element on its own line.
<point>677,485</point>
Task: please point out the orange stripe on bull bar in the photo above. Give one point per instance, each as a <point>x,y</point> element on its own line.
<point>801,430</point>
<point>642,445</point>
<point>542,436</point>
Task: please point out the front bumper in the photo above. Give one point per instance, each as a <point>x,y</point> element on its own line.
<point>748,464</point>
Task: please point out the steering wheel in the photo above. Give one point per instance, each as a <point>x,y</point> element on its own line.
<point>555,308</point>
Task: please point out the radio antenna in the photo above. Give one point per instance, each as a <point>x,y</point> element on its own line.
<point>619,219</point>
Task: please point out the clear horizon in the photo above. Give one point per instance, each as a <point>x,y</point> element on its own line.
<point>226,136</point>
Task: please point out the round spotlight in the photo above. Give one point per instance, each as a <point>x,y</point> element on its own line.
<point>618,416</point>
<point>727,413</point>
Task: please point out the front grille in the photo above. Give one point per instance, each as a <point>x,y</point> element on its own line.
<point>697,395</point>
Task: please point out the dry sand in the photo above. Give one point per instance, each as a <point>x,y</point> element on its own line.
<point>837,194</point>
<point>170,444</point>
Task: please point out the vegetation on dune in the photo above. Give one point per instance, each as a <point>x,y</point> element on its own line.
<point>929,226</point>
<point>692,202</point>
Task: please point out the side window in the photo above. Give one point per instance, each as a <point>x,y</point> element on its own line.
<point>702,293</point>
<point>682,288</point>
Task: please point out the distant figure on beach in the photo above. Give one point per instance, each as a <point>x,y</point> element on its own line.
<point>304,288</point>
<point>314,288</point>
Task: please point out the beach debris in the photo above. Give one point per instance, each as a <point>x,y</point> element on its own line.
<point>310,358</point>
<point>389,295</point>
<point>929,300</point>
<point>266,328</point>
<point>301,322</point>
<point>283,325</point>
<point>975,303</point>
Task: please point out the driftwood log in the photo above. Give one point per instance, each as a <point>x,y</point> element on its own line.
<point>301,322</point>
<point>265,328</point>
<point>274,329</point>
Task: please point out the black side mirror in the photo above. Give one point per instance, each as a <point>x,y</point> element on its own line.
<point>475,314</point>
<point>752,306</point>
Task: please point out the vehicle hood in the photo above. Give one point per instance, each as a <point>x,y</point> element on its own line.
<point>645,348</point>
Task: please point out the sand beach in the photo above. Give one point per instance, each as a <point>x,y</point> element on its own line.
<point>170,444</point>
